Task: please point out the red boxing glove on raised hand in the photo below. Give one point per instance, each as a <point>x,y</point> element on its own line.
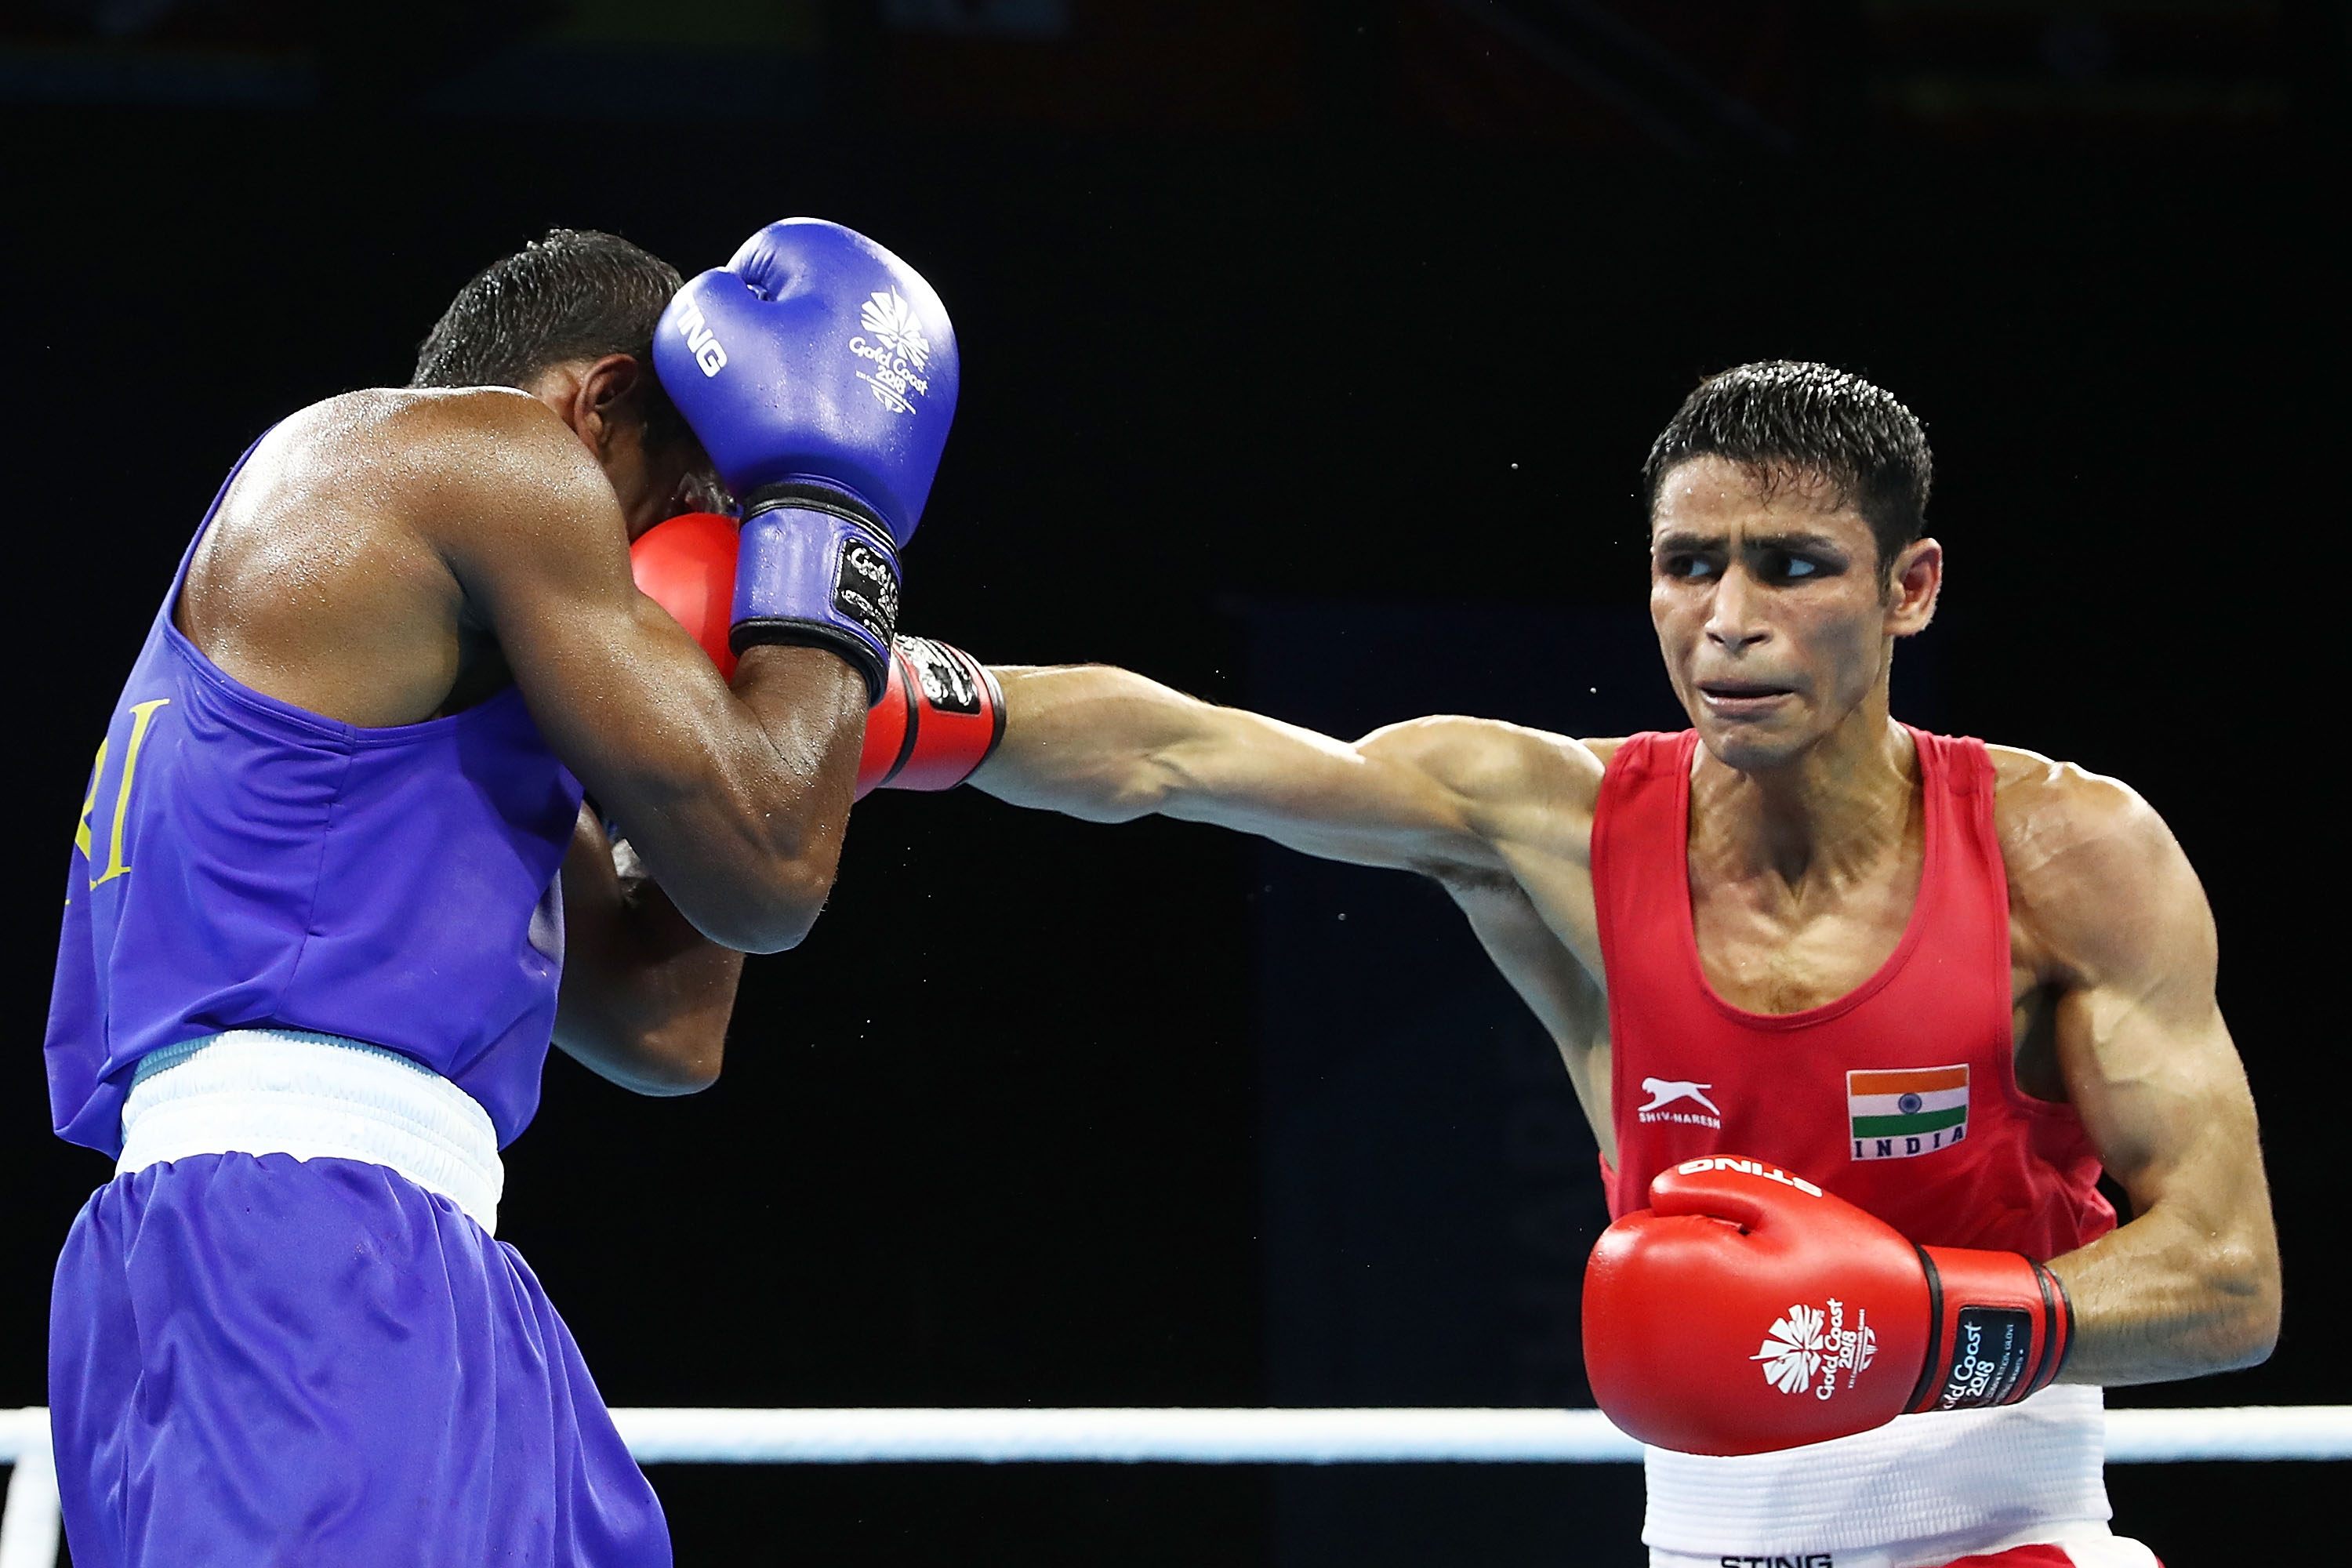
<point>1746,1310</point>
<point>687,565</point>
<point>940,715</point>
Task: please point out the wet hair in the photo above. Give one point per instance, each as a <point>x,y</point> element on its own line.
<point>575,294</point>
<point>1782,419</point>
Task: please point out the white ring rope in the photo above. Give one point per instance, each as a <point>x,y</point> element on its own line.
<point>29,1528</point>
<point>1290,1437</point>
<point>1186,1436</point>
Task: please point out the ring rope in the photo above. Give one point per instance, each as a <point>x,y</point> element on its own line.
<point>30,1523</point>
<point>1283,1436</point>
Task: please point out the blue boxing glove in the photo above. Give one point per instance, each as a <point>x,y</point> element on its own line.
<point>820,372</point>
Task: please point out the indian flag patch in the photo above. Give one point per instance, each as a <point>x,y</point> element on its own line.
<point>1916,1110</point>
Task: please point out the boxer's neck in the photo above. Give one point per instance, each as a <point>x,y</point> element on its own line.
<point>601,401</point>
<point>1829,814</point>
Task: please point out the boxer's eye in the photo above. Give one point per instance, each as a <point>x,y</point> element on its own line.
<point>1784,566</point>
<point>1690,568</point>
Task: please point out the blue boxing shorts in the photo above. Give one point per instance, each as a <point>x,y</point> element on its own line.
<point>261,1359</point>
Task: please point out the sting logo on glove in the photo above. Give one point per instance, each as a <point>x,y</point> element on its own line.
<point>700,340</point>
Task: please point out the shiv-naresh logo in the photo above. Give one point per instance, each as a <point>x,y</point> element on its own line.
<point>1666,1093</point>
<point>1808,1340</point>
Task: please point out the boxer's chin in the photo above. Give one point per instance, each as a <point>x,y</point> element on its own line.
<point>1753,747</point>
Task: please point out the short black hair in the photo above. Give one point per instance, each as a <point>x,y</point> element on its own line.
<point>1789,415</point>
<point>575,294</point>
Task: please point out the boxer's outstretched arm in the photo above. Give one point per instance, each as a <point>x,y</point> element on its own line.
<point>1440,795</point>
<point>646,997</point>
<point>737,799</point>
<point>2190,1285</point>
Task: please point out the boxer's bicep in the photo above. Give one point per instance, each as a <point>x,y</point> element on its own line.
<point>1450,797</point>
<point>1372,802</point>
<point>728,795</point>
<point>1108,745</point>
<point>2148,1061</point>
<point>2163,1097</point>
<point>2191,1284</point>
<point>532,531</point>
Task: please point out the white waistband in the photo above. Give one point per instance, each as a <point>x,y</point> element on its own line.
<point>315,1097</point>
<point>1967,1472</point>
<point>2087,1543</point>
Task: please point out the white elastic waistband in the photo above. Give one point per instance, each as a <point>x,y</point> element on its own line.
<point>315,1097</point>
<point>1971,1472</point>
<point>2087,1543</point>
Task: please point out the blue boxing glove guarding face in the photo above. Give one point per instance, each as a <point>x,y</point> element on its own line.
<point>820,372</point>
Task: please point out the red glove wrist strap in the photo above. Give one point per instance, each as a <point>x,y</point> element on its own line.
<point>2000,1326</point>
<point>941,717</point>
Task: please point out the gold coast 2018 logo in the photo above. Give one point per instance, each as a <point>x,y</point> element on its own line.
<point>1809,1342</point>
<point>898,351</point>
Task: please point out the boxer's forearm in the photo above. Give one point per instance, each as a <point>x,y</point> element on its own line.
<point>2168,1296</point>
<point>1090,741</point>
<point>752,845</point>
<point>2191,1286</point>
<point>646,997</point>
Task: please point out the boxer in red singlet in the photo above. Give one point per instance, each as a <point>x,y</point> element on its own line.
<point>1940,985</point>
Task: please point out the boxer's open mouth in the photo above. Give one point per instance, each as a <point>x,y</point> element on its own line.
<point>1737,699</point>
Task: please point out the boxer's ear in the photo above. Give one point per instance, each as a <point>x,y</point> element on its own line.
<point>607,401</point>
<point>1913,585</point>
<point>597,398</point>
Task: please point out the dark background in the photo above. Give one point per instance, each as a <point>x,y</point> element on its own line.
<point>1312,347</point>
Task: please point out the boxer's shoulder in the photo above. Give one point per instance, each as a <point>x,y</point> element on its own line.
<point>2043,808</point>
<point>338,573</point>
<point>388,472</point>
<point>398,442</point>
<point>1513,781</point>
<point>1603,751</point>
<point>2089,862</point>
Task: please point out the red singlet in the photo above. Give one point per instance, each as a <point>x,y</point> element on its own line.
<point>1900,1097</point>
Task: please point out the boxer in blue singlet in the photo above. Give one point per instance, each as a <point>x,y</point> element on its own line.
<point>334,887</point>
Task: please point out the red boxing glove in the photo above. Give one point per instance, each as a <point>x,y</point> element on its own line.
<point>687,565</point>
<point>939,719</point>
<point>940,715</point>
<point>1856,1325</point>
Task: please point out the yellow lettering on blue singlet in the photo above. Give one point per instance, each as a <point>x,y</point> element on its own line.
<point>142,715</point>
<point>82,828</point>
